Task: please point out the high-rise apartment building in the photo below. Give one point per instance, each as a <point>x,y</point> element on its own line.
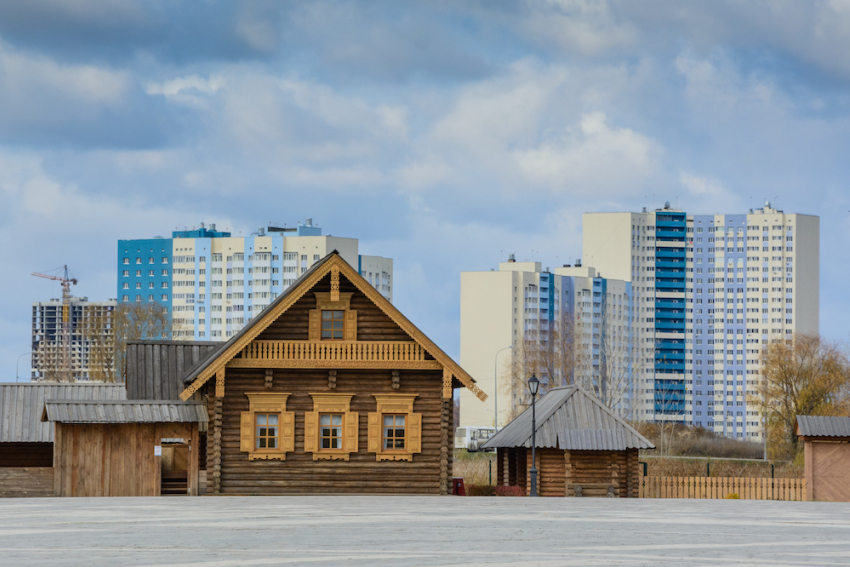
<point>89,347</point>
<point>539,314</point>
<point>710,291</point>
<point>213,283</point>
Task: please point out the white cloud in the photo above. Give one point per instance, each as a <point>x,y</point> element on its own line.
<point>598,159</point>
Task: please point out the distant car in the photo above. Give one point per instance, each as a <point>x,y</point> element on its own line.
<point>472,437</point>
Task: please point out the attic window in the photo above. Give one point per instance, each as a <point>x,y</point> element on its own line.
<point>333,325</point>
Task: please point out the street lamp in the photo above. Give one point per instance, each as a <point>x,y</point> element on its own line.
<point>533,385</point>
<point>18,364</point>
<point>496,386</point>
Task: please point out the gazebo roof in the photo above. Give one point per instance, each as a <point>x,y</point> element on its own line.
<point>570,418</point>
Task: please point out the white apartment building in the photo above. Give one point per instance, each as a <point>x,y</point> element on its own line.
<point>710,291</point>
<point>520,301</point>
<point>213,283</point>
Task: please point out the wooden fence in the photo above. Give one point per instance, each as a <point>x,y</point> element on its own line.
<point>720,487</point>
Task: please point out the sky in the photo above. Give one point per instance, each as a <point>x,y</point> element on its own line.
<point>444,134</point>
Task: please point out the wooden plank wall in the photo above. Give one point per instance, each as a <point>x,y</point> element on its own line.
<point>551,473</point>
<point>155,369</point>
<point>299,473</point>
<point>114,459</point>
<point>26,454</point>
<point>28,482</point>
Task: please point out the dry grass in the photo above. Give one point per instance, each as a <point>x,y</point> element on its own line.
<point>474,468</point>
<point>696,467</point>
<point>684,441</point>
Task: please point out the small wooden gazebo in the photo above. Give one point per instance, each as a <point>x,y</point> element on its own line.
<point>583,449</point>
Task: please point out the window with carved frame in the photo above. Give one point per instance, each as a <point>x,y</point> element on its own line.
<point>331,430</point>
<point>267,430</point>
<point>394,430</point>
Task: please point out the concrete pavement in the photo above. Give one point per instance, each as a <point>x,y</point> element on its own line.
<point>396,530</point>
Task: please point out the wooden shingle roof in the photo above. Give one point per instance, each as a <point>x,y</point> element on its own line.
<point>572,419</point>
<point>155,369</point>
<point>67,411</point>
<point>21,407</point>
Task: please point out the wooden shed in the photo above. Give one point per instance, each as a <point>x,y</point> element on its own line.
<point>116,448</point>
<point>582,449</point>
<point>26,443</point>
<point>330,389</point>
<point>826,446</point>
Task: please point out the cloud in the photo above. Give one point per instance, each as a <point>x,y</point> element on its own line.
<point>599,158</point>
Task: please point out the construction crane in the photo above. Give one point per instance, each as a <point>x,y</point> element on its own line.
<point>64,369</point>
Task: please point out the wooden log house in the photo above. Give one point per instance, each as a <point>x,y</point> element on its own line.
<point>582,448</point>
<point>329,390</point>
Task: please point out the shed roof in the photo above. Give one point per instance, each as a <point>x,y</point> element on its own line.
<point>572,419</point>
<point>155,369</point>
<point>21,406</point>
<point>127,411</point>
<point>823,426</point>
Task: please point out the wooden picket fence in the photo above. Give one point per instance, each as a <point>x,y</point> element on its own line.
<point>722,487</point>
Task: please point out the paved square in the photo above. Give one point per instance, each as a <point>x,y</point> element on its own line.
<point>396,530</point>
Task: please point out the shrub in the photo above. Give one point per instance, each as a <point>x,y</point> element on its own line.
<point>510,491</point>
<point>480,490</point>
<point>733,496</point>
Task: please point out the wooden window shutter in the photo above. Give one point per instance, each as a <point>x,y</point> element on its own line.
<point>352,431</point>
<point>311,432</point>
<point>287,431</point>
<point>414,432</point>
<point>246,432</point>
<point>315,325</point>
<point>374,427</point>
<point>351,325</point>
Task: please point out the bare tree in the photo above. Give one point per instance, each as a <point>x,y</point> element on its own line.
<point>137,321</point>
<point>561,352</point>
<point>97,330</point>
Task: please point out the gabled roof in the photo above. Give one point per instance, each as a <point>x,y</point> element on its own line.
<point>125,411</point>
<point>570,418</point>
<point>218,358</point>
<point>21,406</point>
<point>823,426</point>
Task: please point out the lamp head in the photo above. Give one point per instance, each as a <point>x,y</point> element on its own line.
<point>533,385</point>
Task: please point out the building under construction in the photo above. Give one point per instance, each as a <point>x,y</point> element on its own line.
<point>89,343</point>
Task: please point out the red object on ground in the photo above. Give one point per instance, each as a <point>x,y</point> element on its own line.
<point>457,487</point>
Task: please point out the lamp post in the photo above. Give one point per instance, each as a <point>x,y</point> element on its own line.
<point>496,386</point>
<point>17,364</point>
<point>533,385</point>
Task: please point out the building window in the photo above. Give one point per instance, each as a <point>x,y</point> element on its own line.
<point>333,325</point>
<point>393,435</point>
<point>138,260</point>
<point>267,431</point>
<point>150,260</point>
<point>150,285</point>
<point>126,261</point>
<point>126,273</point>
<point>138,285</point>
<point>165,298</point>
<point>165,260</point>
<point>330,425</point>
<point>126,285</point>
<point>165,284</point>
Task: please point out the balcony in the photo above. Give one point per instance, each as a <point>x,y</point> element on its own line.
<point>670,253</point>
<point>335,354</point>
<point>674,285</point>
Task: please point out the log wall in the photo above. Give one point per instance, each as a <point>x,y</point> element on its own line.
<point>299,473</point>
<point>115,459</point>
<point>26,454</point>
<point>26,482</point>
